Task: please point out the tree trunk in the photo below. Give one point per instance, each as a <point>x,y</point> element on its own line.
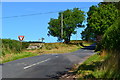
<point>98,41</point>
<point>67,40</point>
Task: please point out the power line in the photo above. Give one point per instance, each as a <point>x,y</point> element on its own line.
<point>36,14</point>
<point>29,15</point>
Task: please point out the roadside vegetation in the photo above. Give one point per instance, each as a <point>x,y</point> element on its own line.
<point>104,27</point>
<point>15,56</point>
<point>13,50</point>
<point>12,46</point>
<point>60,47</point>
<point>90,68</point>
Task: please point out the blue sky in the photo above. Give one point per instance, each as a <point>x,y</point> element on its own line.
<point>35,27</point>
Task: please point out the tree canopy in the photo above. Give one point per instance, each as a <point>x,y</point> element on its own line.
<point>100,18</point>
<point>72,19</point>
<point>111,38</point>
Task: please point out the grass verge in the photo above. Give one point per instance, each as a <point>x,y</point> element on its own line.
<point>12,57</point>
<point>58,48</point>
<point>47,49</point>
<point>90,68</point>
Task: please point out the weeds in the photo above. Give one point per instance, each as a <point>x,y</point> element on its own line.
<point>88,69</point>
<point>11,57</point>
<point>98,66</point>
<point>12,52</point>
<point>12,46</point>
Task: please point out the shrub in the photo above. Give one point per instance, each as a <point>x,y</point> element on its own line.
<point>50,46</point>
<point>12,46</point>
<point>111,43</point>
<point>111,38</point>
<point>25,45</point>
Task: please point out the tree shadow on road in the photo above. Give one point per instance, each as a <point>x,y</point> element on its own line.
<point>59,74</point>
<point>85,70</point>
<point>91,47</point>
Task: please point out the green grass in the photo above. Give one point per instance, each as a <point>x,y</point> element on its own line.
<point>48,48</point>
<point>98,66</point>
<point>59,48</point>
<point>90,68</point>
<point>12,46</point>
<point>93,58</point>
<point>12,57</point>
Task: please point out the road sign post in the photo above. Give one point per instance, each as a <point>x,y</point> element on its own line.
<point>21,38</point>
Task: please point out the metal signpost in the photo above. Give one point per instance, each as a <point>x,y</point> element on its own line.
<point>21,38</point>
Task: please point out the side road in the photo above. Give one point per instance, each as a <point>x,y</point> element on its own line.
<point>45,66</point>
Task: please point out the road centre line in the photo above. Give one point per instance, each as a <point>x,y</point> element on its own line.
<point>36,63</point>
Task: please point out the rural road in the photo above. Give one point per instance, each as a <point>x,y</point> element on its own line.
<point>45,66</point>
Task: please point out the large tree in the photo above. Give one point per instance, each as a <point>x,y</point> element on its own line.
<point>72,19</point>
<point>100,18</point>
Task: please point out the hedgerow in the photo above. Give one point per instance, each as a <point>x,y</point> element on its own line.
<point>111,38</point>
<point>12,46</point>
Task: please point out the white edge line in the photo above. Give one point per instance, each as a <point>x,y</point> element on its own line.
<point>36,63</point>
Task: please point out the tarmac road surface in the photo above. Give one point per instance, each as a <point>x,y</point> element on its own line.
<point>50,66</point>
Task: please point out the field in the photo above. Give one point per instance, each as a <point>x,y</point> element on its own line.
<point>13,52</point>
<point>58,48</point>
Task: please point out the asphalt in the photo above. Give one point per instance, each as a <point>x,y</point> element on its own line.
<point>50,66</point>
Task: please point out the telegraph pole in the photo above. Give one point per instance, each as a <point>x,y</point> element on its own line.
<point>76,35</point>
<point>61,25</point>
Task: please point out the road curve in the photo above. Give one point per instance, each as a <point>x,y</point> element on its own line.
<point>45,66</point>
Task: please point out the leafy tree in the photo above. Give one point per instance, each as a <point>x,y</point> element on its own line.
<point>111,38</point>
<point>87,35</point>
<point>72,19</point>
<point>99,19</point>
<point>111,0</point>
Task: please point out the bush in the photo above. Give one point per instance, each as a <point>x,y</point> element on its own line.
<point>111,43</point>
<point>111,38</point>
<point>25,45</point>
<point>50,46</point>
<point>12,46</point>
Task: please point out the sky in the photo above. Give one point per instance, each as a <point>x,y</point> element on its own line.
<point>34,27</point>
<point>52,0</point>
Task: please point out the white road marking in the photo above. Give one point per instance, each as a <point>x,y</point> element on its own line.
<point>56,56</point>
<point>36,63</point>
